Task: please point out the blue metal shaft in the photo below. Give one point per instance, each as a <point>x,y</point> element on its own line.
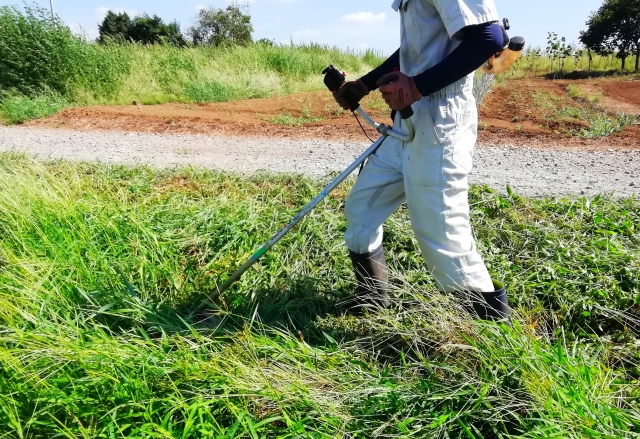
<point>308,208</point>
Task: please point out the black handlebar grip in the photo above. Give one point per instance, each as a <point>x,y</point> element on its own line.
<point>333,79</point>
<point>406,113</point>
<point>352,101</point>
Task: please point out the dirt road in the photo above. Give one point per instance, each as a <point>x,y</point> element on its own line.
<point>529,171</point>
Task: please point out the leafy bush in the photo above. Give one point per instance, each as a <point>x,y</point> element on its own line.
<point>40,53</point>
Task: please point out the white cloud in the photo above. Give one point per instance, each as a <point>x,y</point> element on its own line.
<point>307,33</point>
<point>101,12</point>
<point>365,18</point>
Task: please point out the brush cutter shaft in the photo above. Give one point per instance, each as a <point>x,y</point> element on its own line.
<point>308,208</point>
<point>385,131</point>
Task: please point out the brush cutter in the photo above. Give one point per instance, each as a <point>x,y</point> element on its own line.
<point>333,79</point>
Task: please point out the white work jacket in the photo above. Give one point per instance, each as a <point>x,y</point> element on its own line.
<point>430,29</point>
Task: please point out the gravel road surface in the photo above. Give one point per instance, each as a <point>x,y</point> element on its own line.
<point>530,172</point>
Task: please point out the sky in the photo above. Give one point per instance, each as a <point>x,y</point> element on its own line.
<point>352,24</point>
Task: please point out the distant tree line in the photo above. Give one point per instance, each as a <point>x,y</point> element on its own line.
<point>614,29</point>
<point>211,27</point>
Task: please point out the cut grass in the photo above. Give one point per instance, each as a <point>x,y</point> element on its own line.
<point>102,268</point>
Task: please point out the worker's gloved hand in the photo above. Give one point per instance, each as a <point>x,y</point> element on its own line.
<point>357,89</point>
<point>398,90</point>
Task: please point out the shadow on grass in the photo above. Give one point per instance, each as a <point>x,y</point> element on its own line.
<point>304,307</point>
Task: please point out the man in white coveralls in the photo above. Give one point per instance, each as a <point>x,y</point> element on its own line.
<point>443,42</point>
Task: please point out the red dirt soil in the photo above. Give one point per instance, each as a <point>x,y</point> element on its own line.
<point>520,112</point>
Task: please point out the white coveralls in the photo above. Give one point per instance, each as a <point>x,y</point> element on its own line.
<point>431,172</point>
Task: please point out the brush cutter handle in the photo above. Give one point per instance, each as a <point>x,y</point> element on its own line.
<point>334,79</point>
<point>386,130</point>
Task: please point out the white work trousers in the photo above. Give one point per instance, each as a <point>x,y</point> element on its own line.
<point>430,173</point>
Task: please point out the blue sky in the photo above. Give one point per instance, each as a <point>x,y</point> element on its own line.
<point>357,24</point>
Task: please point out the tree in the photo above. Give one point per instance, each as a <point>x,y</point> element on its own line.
<point>558,49</point>
<point>114,27</point>
<point>142,29</point>
<point>614,28</point>
<point>152,30</point>
<point>217,27</point>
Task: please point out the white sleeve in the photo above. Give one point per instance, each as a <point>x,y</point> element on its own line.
<point>458,14</point>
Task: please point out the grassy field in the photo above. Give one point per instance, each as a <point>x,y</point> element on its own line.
<point>103,267</point>
<point>45,68</point>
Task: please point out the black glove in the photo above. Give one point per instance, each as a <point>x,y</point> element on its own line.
<point>357,89</point>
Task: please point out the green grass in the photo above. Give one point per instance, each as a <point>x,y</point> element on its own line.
<point>575,92</point>
<point>287,119</point>
<point>39,54</point>
<point>102,268</point>
<point>577,114</point>
<point>17,108</point>
<point>532,64</point>
<point>602,125</point>
<point>293,121</point>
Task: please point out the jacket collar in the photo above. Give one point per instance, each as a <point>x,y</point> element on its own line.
<point>397,4</point>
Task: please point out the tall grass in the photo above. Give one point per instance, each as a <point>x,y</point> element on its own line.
<point>535,62</point>
<point>102,269</point>
<point>42,60</point>
<point>42,54</point>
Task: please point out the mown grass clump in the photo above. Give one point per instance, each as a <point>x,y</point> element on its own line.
<point>102,270</point>
<point>41,54</point>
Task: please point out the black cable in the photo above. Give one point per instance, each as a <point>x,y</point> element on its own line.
<point>365,133</point>
<point>362,128</point>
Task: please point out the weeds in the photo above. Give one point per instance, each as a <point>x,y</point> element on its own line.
<point>575,92</point>
<point>288,120</point>
<point>601,125</point>
<point>577,114</point>
<point>102,268</point>
<point>305,117</point>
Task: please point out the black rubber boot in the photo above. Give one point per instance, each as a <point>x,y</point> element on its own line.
<point>372,290</point>
<point>493,306</point>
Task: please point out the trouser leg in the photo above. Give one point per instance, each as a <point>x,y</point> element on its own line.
<point>436,165</point>
<point>377,193</point>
